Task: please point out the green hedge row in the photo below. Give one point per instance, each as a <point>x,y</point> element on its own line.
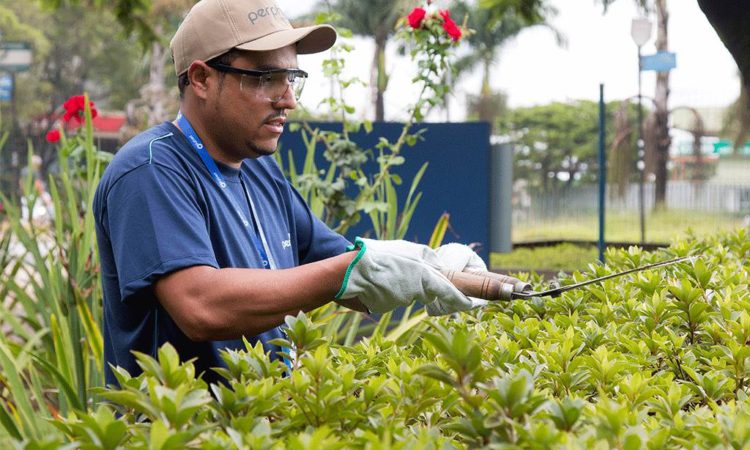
<point>654,360</point>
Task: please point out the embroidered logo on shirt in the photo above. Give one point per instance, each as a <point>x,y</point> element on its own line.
<point>287,243</point>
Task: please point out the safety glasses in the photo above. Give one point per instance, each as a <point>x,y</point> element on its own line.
<point>267,84</point>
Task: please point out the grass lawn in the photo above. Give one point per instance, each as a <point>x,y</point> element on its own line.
<point>661,227</point>
<point>565,257</point>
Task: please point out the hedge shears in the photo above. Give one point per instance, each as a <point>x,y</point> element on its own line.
<point>494,286</point>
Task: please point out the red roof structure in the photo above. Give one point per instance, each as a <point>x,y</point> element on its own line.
<point>107,125</point>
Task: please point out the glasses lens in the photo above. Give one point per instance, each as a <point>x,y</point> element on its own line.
<point>297,82</point>
<point>273,86</point>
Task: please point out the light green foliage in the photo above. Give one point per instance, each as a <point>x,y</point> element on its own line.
<point>632,364</point>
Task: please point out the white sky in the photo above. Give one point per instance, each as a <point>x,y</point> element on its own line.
<point>532,69</point>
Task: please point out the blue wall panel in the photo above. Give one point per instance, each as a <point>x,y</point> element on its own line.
<point>456,180</point>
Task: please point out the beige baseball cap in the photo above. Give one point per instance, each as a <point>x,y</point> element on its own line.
<point>213,27</point>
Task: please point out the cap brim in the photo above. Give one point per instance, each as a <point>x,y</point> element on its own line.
<point>311,39</point>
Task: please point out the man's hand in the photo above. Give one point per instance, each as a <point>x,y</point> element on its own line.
<point>352,303</point>
<point>405,249</point>
<point>387,274</point>
<point>460,258</point>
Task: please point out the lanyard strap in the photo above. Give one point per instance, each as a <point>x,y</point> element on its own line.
<point>258,238</point>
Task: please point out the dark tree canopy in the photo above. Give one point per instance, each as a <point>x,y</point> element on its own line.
<point>730,19</point>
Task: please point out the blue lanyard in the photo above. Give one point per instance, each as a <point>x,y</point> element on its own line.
<point>258,238</point>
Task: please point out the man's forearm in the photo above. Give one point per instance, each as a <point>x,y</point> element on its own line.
<point>218,304</point>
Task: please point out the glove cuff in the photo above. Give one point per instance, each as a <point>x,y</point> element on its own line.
<point>358,243</point>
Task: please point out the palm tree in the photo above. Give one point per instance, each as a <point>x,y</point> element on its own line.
<point>530,11</point>
<point>376,19</point>
<point>490,33</point>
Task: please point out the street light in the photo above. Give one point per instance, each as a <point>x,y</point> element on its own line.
<point>640,31</point>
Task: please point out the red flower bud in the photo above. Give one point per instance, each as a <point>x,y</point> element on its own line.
<point>53,135</point>
<point>416,17</point>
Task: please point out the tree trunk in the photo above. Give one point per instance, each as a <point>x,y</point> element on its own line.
<point>379,78</point>
<point>545,169</point>
<point>155,92</point>
<point>661,98</point>
<point>485,95</point>
<point>572,175</point>
<point>620,159</point>
<point>699,174</point>
<point>741,118</point>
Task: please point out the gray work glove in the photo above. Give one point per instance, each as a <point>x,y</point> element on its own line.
<point>387,274</point>
<point>460,258</point>
<point>406,249</point>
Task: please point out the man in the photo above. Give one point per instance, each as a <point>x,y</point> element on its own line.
<point>202,239</point>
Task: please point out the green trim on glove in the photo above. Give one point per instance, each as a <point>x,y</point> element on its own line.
<point>358,243</point>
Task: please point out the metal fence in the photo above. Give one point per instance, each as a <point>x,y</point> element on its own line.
<point>557,212</point>
<point>714,197</point>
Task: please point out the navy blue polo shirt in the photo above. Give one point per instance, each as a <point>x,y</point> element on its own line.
<point>158,210</point>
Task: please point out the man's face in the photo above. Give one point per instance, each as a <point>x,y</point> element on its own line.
<point>249,115</point>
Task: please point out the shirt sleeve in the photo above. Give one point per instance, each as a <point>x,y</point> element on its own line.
<point>156,226</point>
<point>315,240</point>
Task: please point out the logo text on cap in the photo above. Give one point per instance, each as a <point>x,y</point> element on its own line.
<point>268,11</point>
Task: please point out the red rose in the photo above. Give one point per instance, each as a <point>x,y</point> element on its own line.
<point>450,26</point>
<point>453,31</point>
<point>416,17</point>
<point>75,109</point>
<point>53,135</point>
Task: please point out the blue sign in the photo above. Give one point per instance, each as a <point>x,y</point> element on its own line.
<point>660,62</point>
<point>6,88</point>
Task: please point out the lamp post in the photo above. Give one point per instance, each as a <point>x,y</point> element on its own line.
<point>640,31</point>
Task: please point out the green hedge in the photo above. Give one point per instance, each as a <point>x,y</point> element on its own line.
<point>654,360</point>
<point>566,257</point>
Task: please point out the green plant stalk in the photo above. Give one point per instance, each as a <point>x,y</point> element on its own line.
<point>371,190</point>
<point>61,300</point>
<point>21,410</point>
